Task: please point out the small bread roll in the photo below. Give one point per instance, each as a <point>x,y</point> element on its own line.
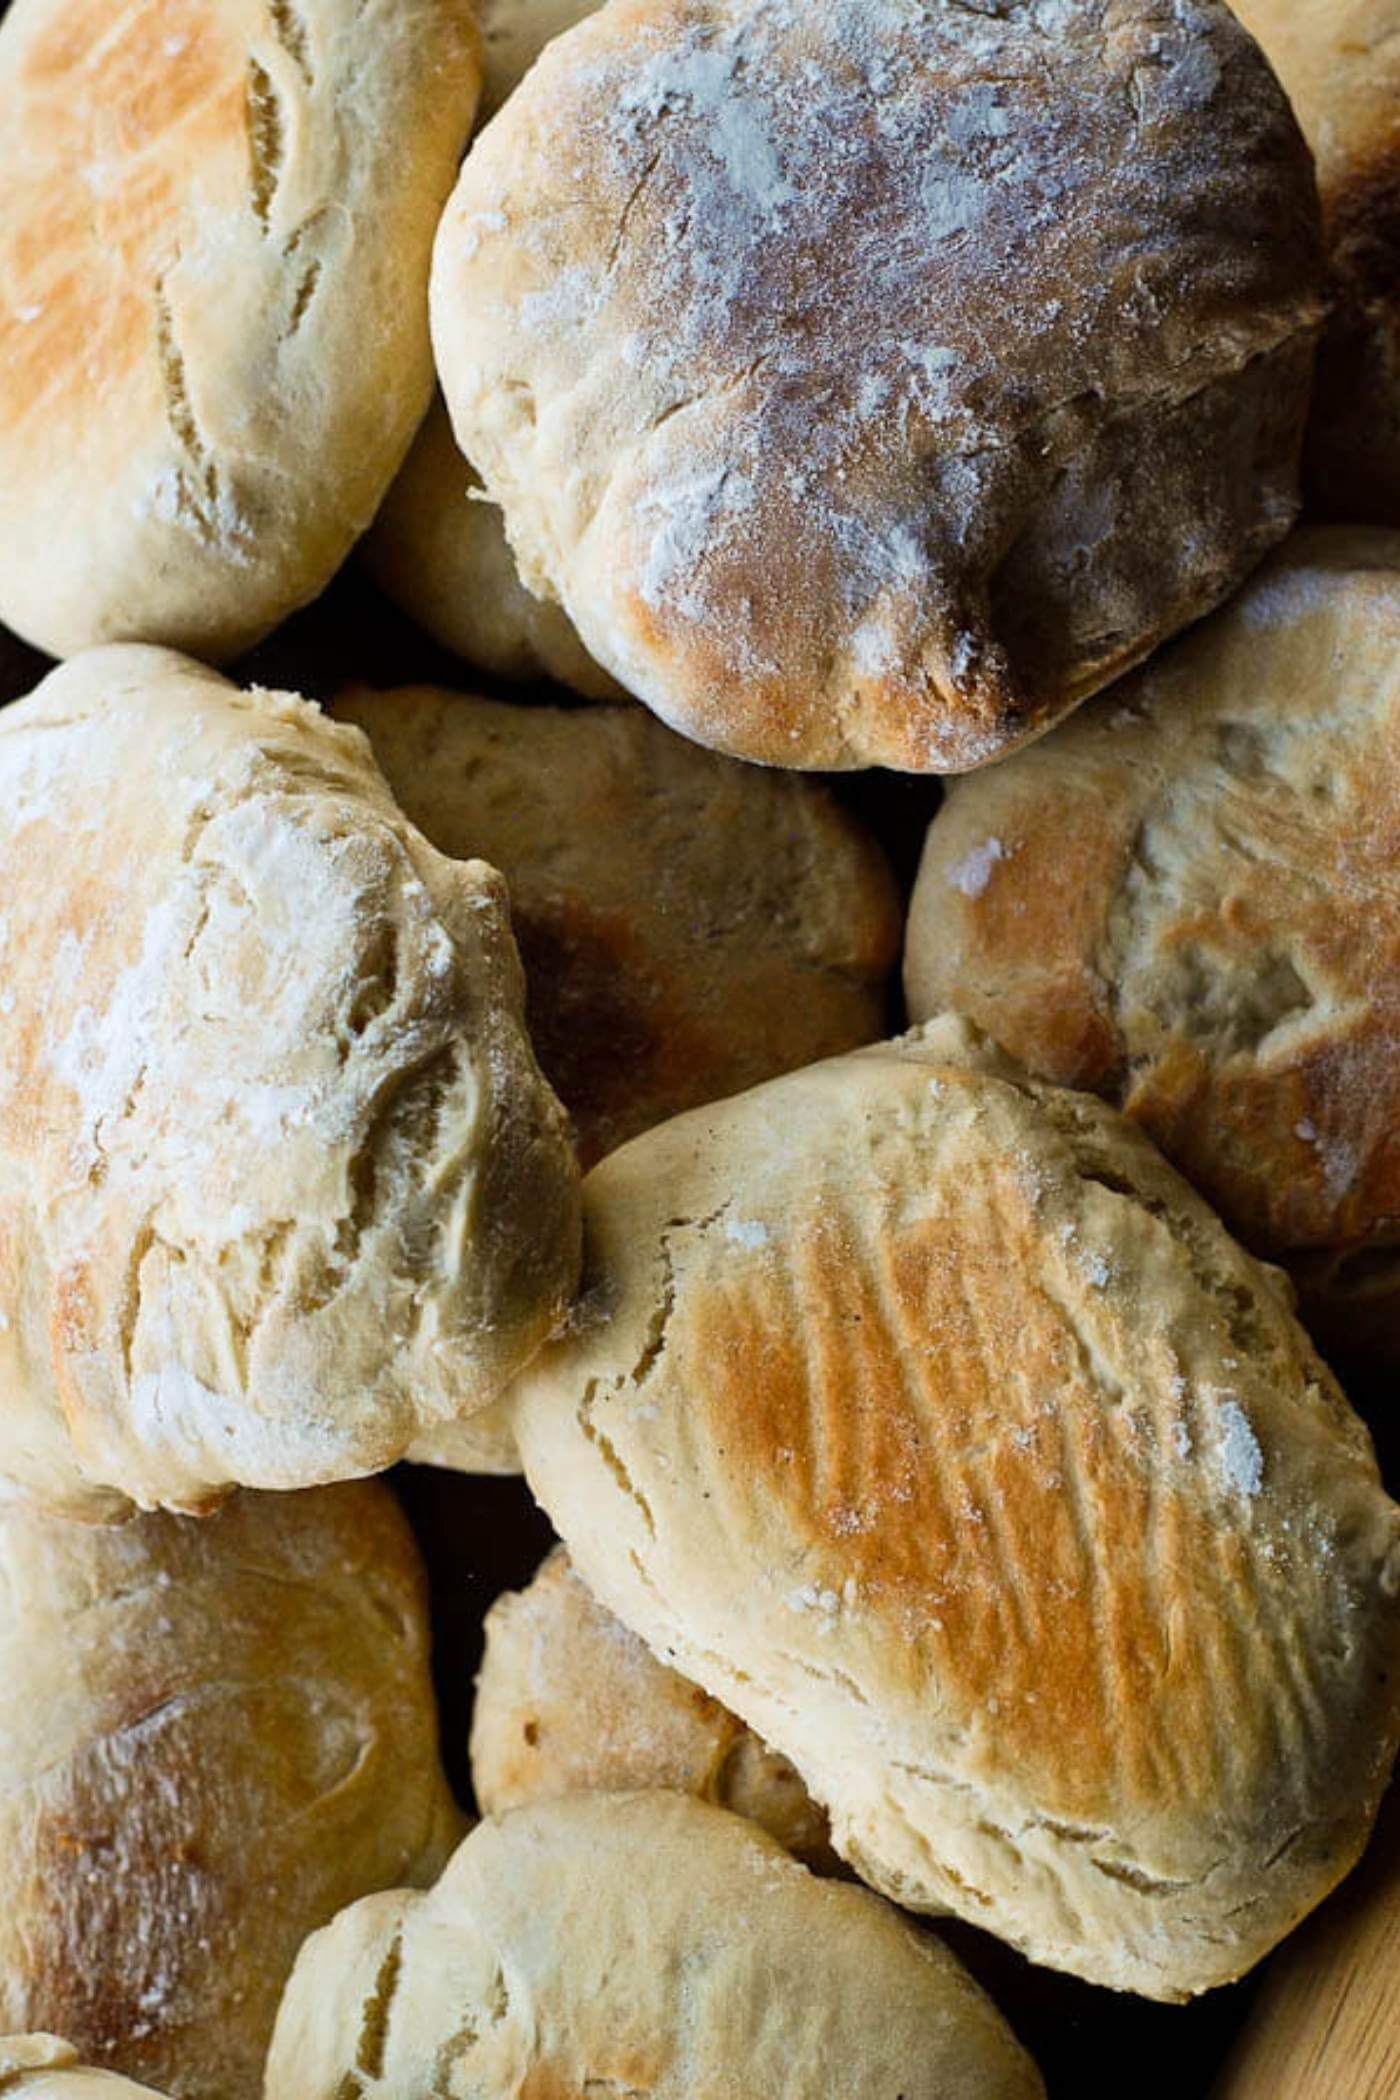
<point>213,1736</point>
<point>871,382</point>
<point>632,1944</point>
<point>213,326</point>
<point>1340,62</point>
<point>569,1702</point>
<point>281,1184</point>
<point>688,926</point>
<point>438,548</point>
<point>514,32</point>
<point>1187,901</point>
<point>921,1414</point>
<point>40,2067</point>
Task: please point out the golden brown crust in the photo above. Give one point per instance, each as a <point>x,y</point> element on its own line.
<point>1340,62</point>
<point>886,457</point>
<point>628,1945</point>
<point>281,1184</point>
<point>922,1415</point>
<point>1187,901</point>
<point>213,340</point>
<point>215,1734</point>
<point>568,1701</point>
<point>688,926</point>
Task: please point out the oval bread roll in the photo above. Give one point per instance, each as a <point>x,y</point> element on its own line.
<point>891,454</point>
<point>922,1415</point>
<point>40,2067</point>
<point>281,1184</point>
<point>1187,901</point>
<point>634,1944</point>
<point>213,330</point>
<point>1340,62</point>
<point>438,548</point>
<point>568,1701</point>
<point>213,1735</point>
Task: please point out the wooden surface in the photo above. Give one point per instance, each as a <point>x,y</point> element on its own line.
<point>1326,2022</point>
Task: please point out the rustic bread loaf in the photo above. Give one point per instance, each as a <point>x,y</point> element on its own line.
<point>632,1944</point>
<point>871,381</point>
<point>213,1735</point>
<point>281,1184</point>
<point>213,324</point>
<point>920,1413</point>
<point>1187,900</point>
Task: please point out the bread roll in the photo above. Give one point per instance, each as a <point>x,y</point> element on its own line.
<point>1187,901</point>
<point>43,2068</point>
<point>569,1702</point>
<point>1340,62</point>
<point>514,32</point>
<point>280,1182</point>
<point>871,382</point>
<point>635,1944</point>
<point>924,1417</point>
<point>213,327</point>
<point>212,1737</point>
<point>688,926</point>
<point>438,548</point>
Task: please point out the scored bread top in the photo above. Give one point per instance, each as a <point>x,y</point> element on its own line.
<point>281,1184</point>
<point>635,1944</point>
<point>924,1416</point>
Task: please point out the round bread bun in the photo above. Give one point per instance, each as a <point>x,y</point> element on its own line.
<point>922,1415</point>
<point>1340,62</point>
<point>688,926</point>
<point>569,1702</point>
<point>514,32</point>
<point>213,1736</point>
<point>213,327</point>
<point>438,548</point>
<point>40,2067</point>
<point>281,1184</point>
<point>1187,901</point>
<point>870,381</point>
<point>631,1944</point>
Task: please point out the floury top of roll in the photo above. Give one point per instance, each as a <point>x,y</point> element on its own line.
<point>870,382</point>
<point>281,1184</point>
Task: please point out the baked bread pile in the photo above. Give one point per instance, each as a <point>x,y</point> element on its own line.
<point>932,1388</point>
